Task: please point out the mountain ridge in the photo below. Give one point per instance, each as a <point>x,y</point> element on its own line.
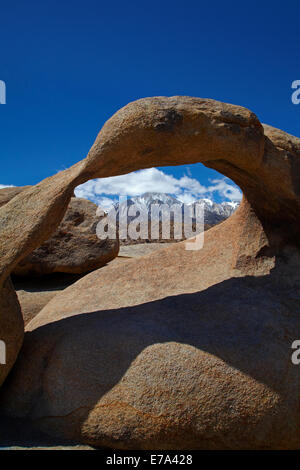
<point>213,212</point>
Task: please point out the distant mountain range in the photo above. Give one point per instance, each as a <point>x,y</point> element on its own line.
<point>214,213</point>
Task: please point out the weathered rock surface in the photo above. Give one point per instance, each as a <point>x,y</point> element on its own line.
<point>140,249</point>
<point>11,327</point>
<point>33,294</point>
<point>32,302</point>
<point>6,194</point>
<point>177,349</point>
<point>74,247</point>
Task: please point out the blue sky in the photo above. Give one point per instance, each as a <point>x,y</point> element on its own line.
<point>68,66</point>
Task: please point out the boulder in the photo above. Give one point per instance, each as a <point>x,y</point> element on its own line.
<point>179,348</point>
<point>74,247</point>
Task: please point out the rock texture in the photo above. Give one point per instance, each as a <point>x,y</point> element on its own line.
<point>74,247</point>
<point>6,194</point>
<point>11,326</point>
<point>33,294</point>
<point>177,349</point>
<point>32,302</point>
<point>138,250</point>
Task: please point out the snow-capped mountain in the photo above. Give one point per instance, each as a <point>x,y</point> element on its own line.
<point>216,212</point>
<point>213,212</point>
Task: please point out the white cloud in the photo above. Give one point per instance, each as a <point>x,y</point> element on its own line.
<point>186,197</point>
<point>105,191</point>
<point>186,188</point>
<point>139,182</point>
<point>225,189</point>
<point>105,202</point>
<point>2,186</point>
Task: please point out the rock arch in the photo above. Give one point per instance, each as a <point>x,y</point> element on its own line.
<point>263,161</point>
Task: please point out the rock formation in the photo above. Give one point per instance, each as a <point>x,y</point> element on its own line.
<point>177,349</point>
<point>74,247</point>
<point>32,302</point>
<point>6,194</point>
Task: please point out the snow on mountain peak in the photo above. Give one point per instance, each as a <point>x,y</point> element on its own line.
<point>213,212</point>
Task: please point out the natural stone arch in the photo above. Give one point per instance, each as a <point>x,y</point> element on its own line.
<point>157,132</point>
